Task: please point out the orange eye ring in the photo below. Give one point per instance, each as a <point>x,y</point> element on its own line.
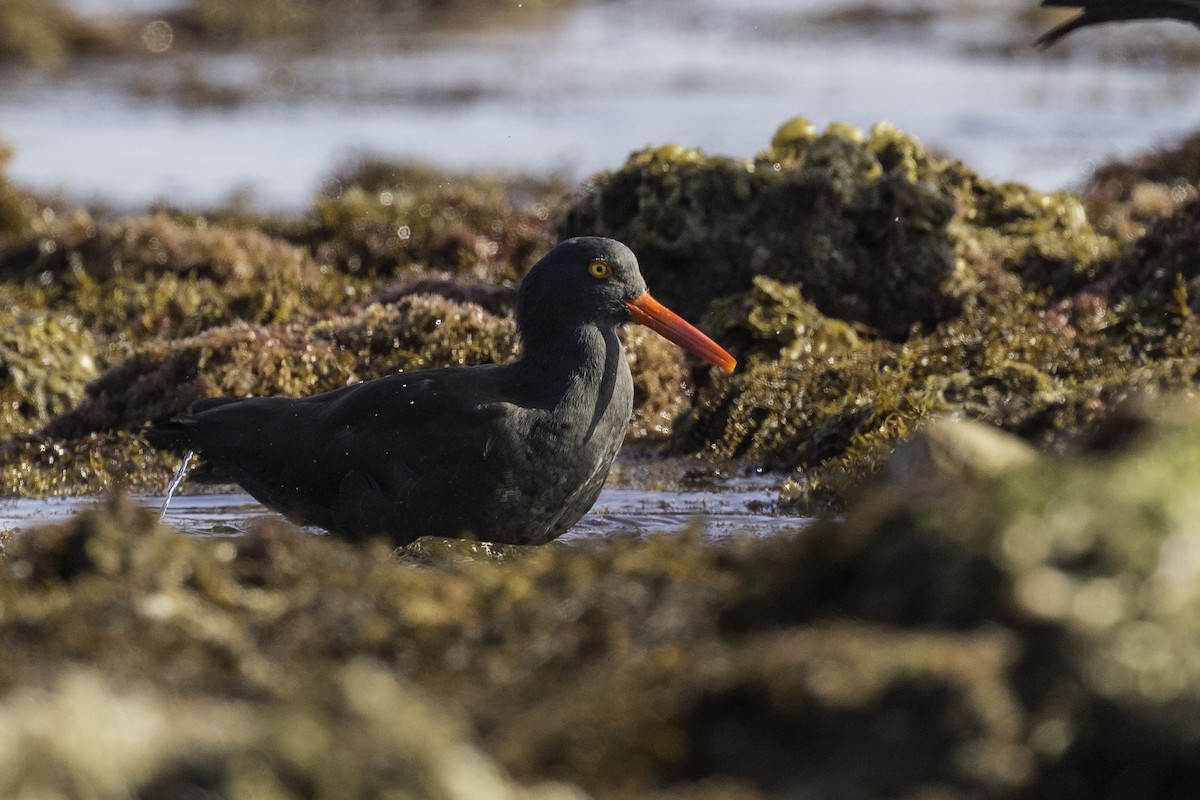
<point>600,269</point>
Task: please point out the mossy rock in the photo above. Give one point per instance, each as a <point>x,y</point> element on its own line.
<point>46,360</point>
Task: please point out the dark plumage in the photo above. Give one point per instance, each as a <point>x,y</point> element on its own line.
<point>509,453</point>
<point>1097,12</point>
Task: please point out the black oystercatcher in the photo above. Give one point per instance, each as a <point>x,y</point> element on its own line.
<point>512,453</point>
<point>1096,12</point>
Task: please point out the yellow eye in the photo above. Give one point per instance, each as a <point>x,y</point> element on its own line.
<point>600,269</point>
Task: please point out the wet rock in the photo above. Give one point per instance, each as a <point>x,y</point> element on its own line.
<point>433,551</point>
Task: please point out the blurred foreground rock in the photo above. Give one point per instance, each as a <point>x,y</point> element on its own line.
<point>975,626</point>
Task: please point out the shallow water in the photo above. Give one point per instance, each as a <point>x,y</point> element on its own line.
<point>742,506</point>
<point>578,89</point>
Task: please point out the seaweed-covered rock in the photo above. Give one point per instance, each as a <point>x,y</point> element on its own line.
<point>163,379</point>
<point>1126,196</point>
<point>88,464</point>
<point>1089,559</point>
<point>1157,277</point>
<point>46,34</point>
<point>358,734</point>
<point>774,321</point>
<point>15,205</point>
<point>382,218</point>
<point>1008,360</point>
<point>46,360</point>
<point>1028,630</point>
<point>1046,240</point>
<point>159,276</point>
<point>876,229</point>
<point>610,666</point>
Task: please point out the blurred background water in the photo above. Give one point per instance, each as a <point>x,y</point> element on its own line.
<point>574,88</point>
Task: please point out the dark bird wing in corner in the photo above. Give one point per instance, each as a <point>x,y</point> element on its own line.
<point>1098,12</point>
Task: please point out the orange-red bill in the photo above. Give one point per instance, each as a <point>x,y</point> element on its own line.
<point>666,323</point>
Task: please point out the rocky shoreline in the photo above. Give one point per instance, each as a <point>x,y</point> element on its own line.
<point>995,388</point>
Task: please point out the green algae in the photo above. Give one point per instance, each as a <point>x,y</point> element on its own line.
<point>773,321</point>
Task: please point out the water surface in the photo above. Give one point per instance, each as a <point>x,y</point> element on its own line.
<point>577,90</point>
<point>629,506</point>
